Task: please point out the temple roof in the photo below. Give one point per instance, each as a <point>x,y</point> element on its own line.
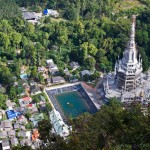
<point>130,63</point>
<point>130,54</point>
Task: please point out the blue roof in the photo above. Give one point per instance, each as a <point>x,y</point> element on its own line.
<point>11,114</point>
<point>45,12</point>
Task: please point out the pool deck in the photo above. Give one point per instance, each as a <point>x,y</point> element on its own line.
<point>62,85</point>
<point>90,93</point>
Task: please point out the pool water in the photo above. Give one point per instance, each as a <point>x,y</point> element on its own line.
<point>72,104</point>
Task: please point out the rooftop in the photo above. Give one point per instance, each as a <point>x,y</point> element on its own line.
<point>57,79</point>
<point>6,124</point>
<point>60,127</point>
<point>5,143</point>
<point>3,134</point>
<point>27,98</point>
<point>111,89</point>
<point>34,89</point>
<point>11,114</point>
<point>35,135</point>
<point>85,72</point>
<point>24,142</point>
<point>29,15</point>
<point>14,141</point>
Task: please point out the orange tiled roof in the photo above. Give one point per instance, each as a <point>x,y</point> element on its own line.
<point>35,135</point>
<point>27,98</point>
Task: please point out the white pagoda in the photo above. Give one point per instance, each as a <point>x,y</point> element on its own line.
<point>127,83</point>
<point>129,68</point>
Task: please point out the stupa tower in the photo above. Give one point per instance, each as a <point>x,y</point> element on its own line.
<point>129,68</point>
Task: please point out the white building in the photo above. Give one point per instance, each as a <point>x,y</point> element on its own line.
<point>5,144</point>
<point>51,12</point>
<point>58,124</point>
<point>85,72</point>
<point>49,62</point>
<point>129,68</point>
<point>58,80</point>
<point>127,83</point>
<point>28,15</point>
<point>74,65</point>
<point>53,69</point>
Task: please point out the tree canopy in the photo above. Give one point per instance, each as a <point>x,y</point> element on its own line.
<point>93,33</point>
<point>112,127</point>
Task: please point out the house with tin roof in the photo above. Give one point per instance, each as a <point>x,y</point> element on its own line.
<point>25,101</point>
<point>5,144</point>
<point>58,80</point>
<point>35,118</point>
<point>28,15</point>
<point>24,134</point>
<point>86,72</point>
<point>6,125</point>
<point>14,141</point>
<point>35,90</point>
<point>21,119</point>
<point>53,69</point>
<point>24,142</point>
<point>11,133</point>
<point>3,134</point>
<point>16,126</point>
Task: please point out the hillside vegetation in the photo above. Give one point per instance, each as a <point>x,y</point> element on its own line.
<point>94,33</point>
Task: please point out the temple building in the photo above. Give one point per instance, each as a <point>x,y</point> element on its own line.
<point>127,82</point>
<point>129,68</point>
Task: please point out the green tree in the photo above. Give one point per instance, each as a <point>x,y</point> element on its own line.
<point>100,53</point>
<point>41,78</point>
<point>3,90</point>
<point>2,101</point>
<point>13,92</point>
<point>15,39</point>
<point>72,13</point>
<point>6,77</point>
<point>9,9</point>
<point>34,72</point>
<point>84,51</point>
<point>44,128</point>
<point>21,147</point>
<point>4,40</point>
<point>92,50</point>
<point>90,63</point>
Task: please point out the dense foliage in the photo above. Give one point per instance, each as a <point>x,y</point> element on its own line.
<point>9,9</point>
<point>94,33</point>
<point>94,44</point>
<point>113,127</point>
<point>75,9</point>
<point>91,43</point>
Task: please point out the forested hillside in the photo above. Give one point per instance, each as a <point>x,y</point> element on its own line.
<point>112,128</point>
<point>91,32</point>
<point>103,38</point>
